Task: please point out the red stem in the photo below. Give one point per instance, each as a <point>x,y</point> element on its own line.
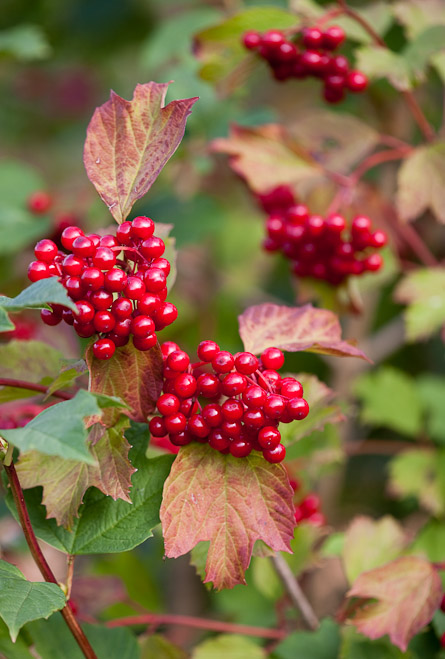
<point>23,384</point>
<point>379,158</point>
<point>199,623</point>
<point>40,560</point>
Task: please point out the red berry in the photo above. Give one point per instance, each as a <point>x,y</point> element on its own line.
<point>254,418</point>
<point>251,40</point>
<point>84,330</point>
<point>168,404</point>
<point>83,246</point>
<point>38,270</point>
<point>123,327</point>
<point>50,318</point>
<point>373,262</point>
<point>85,312</point>
<point>108,241</point>
<point>207,350</point>
<point>197,426</point>
<point>185,385</point>
<point>233,384</point>
<point>142,326</point>
<point>333,37</point>
<point>269,437</point>
<point>298,408</point>
<point>246,363</point>
<point>223,362</point>
<point>73,265</point>
<point>274,406</point>
<point>145,342</point>
<point>155,280</point>
<point>254,396</point>
<point>178,361</point>
<point>101,299</point>
<point>168,347</point>
<point>212,415</point>
<point>157,427</point>
<point>312,38</point>
<point>69,235</point>
<point>232,409</point>
<point>104,321</point>
<point>148,304</point>
<point>310,505</point>
<point>122,308</point>
<point>175,423</point>
<point>275,455</point>
<point>115,280</point>
<point>123,233</point>
<point>103,349</point>
<point>335,224</point>
<point>272,358</point>
<point>46,250</point>
<point>134,288</point>
<point>272,40</point>
<point>92,278</point>
<point>208,385</point>
<point>166,314</point>
<point>218,440</point>
<point>378,239</point>
<point>104,258</point>
<point>152,248</point>
<point>240,448</point>
<point>291,388</point>
<point>356,81</point>
<point>181,438</point>
<point>39,202</point>
<point>142,227</point>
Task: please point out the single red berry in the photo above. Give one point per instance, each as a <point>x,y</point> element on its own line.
<point>240,448</point>
<point>232,409</point>
<point>123,233</point>
<point>168,404</point>
<point>335,224</point>
<point>356,81</point>
<point>233,384</point>
<point>123,327</point>
<point>103,349</point>
<point>165,315</point>
<point>115,280</point>
<point>223,362</point>
<point>92,278</point>
<point>373,262</point>
<point>218,440</point>
<point>298,408</point>
<point>317,519</point>
<point>109,241</point>
<point>188,406</point>
<point>157,427</point>
<point>254,396</point>
<point>178,361</point>
<point>175,423</point>
<point>148,304</point>
<point>142,227</point>
<point>85,312</point>
<point>291,388</point>
<point>168,347</point>
<point>297,214</point>
<point>378,239</point>
<point>246,363</point>
<point>67,317</point>
<point>272,358</point>
<point>83,246</point>
<point>197,426</point>
<point>101,299</point>
<point>269,437</point>
<point>310,504</point>
<point>162,264</point>
<point>208,385</point>
<point>50,318</point>
<point>212,415</point>
<point>142,326</point>
<point>181,438</point>
<point>155,280</point>
<point>231,429</point>
<point>69,235</point>
<point>122,308</point>
<point>38,270</point>
<point>315,226</point>
<point>39,202</point>
<point>312,38</point>
<point>95,238</point>
<point>152,248</point>
<point>185,385</point>
<point>275,455</point>
<point>274,406</point>
<point>272,40</point>
<point>134,288</point>
<point>361,225</point>
<point>104,321</point>
<point>333,37</point>
<point>46,250</point>
<point>312,60</point>
<point>287,52</point>
<point>145,342</point>
<point>254,418</point>
<point>84,330</point>
<point>251,40</point>
<point>207,350</point>
<point>104,258</point>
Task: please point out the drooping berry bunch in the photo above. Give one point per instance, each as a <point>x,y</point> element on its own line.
<point>322,248</point>
<point>117,282</point>
<point>309,55</point>
<point>232,402</point>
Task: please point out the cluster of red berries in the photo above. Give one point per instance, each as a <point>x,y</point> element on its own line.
<point>115,296</point>
<point>322,248</point>
<point>247,399</point>
<point>310,56</point>
<point>308,509</point>
<point>18,416</point>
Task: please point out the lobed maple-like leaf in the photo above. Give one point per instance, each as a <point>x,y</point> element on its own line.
<point>129,142</point>
<point>421,182</point>
<point>424,292</point>
<point>230,502</point>
<point>294,329</point>
<point>65,482</point>
<point>408,592</point>
<point>134,376</point>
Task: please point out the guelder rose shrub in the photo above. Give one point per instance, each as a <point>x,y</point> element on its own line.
<point>223,448</point>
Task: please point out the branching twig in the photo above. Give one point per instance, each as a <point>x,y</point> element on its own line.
<point>33,386</point>
<point>294,591</point>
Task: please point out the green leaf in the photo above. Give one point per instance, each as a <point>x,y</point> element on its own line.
<point>438,63</point>
<point>390,398</point>
<point>67,376</point>
<point>356,646</point>
<point>370,543</point>
<point>265,578</point>
<point>430,541</point>
<point>421,182</point>
<point>38,295</point>
<point>22,600</point>
<point>378,62</point>
<point>431,389</point>
<point>333,545</point>
<point>416,473</point>
<point>321,644</point>
<point>424,292</point>
<point>10,650</point>
<point>419,51</point>
<point>49,637</point>
<point>418,15</point>
<point>156,646</point>
<point>234,646</point>
<point>17,181</point>
<point>27,228</point>
<point>5,323</point>
<point>59,430</point>
<point>25,42</point>
<point>104,525</point>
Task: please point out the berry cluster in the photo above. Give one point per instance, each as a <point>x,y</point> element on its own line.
<point>308,510</point>
<point>310,56</point>
<point>322,248</point>
<point>232,402</point>
<point>17,416</point>
<point>115,297</point>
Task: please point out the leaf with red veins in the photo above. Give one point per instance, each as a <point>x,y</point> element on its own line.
<point>294,329</point>
<point>408,592</point>
<point>129,142</point>
<point>65,482</point>
<point>134,376</point>
<point>229,501</point>
<point>268,156</point>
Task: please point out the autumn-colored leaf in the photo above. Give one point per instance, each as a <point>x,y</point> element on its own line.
<point>424,292</point>
<point>232,503</point>
<point>294,329</point>
<point>134,376</point>
<point>408,592</point>
<point>129,142</point>
<point>268,156</point>
<point>421,183</point>
<point>65,482</point>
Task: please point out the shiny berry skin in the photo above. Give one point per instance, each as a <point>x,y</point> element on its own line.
<point>246,363</point>
<point>212,415</point>
<point>232,410</point>
<point>123,327</point>
<point>231,429</point>
<point>148,304</point>
<point>115,280</point>
<point>142,227</point>
<point>208,385</point>
<point>218,440</point>
<point>104,258</point>
<point>101,299</point>
<point>119,341</point>
<point>85,312</point>
<point>251,40</point>
<point>167,348</point>
<point>378,239</point>
<point>83,246</point>
<point>123,233</point>
<point>122,308</point>
<point>185,385</point>
<point>175,423</point>
<point>67,317</point>
<point>275,455</point>
<point>272,358</point>
<point>142,326</point>
<point>46,250</point>
<point>145,342</point>
<point>240,448</point>
<point>207,350</point>
<point>356,81</point>
<point>254,418</point>
<point>162,264</point>
<point>269,437</point>
<point>361,225</point>
<point>39,202</point>
<point>291,388</point>
<point>197,426</point>
<point>69,235</point>
<point>272,40</point>
<point>104,321</point>
<point>333,37</point>
<point>152,248</point>
<point>178,361</point>
<point>254,396</point>
<point>155,280</point>
<point>103,349</point>
<point>274,406</point>
<point>84,330</point>
<point>313,38</point>
<point>168,404</point>
<point>188,407</point>
<point>373,262</point>
<point>233,384</point>
<point>73,265</point>
<point>108,241</point>
<point>50,318</point>
<point>335,224</point>
<point>166,314</point>
<point>298,408</point>
<point>223,362</point>
<point>92,278</point>
<point>181,438</point>
<point>157,427</point>
<point>134,288</point>
<point>38,270</point>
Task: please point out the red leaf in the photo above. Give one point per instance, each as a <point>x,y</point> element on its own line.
<point>231,502</point>
<point>134,376</point>
<point>294,329</point>
<point>129,142</point>
<point>408,591</point>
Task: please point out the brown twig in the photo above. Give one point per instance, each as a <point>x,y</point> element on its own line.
<point>32,386</point>
<point>199,623</point>
<point>69,574</point>
<point>379,158</point>
<point>41,561</point>
<point>294,591</point>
